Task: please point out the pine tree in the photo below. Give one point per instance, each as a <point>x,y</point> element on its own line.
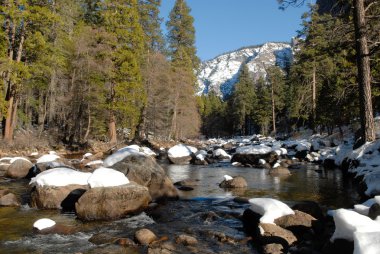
<point>126,96</point>
<point>185,118</point>
<point>151,24</point>
<point>243,101</point>
<point>263,109</point>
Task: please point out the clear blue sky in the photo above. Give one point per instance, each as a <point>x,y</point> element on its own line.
<point>224,25</point>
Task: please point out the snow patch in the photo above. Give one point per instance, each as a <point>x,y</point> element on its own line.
<point>60,177</point>
<point>347,222</point>
<point>120,155</point>
<point>107,177</point>
<point>254,149</point>
<point>47,158</point>
<point>270,209</point>
<point>43,223</point>
<point>181,150</point>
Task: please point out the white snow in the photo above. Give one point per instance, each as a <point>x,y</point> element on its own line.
<point>120,155</point>
<point>148,151</point>
<point>262,162</point>
<point>219,74</point>
<point>86,155</point>
<point>227,178</point>
<point>18,158</point>
<point>254,149</point>
<point>364,207</point>
<point>43,223</point>
<point>181,150</point>
<point>372,181</point>
<point>270,209</point>
<point>96,162</point>
<point>276,165</point>
<point>107,177</point>
<point>60,177</point>
<point>347,222</point>
<point>200,157</point>
<point>221,153</point>
<point>366,242</point>
<point>47,158</point>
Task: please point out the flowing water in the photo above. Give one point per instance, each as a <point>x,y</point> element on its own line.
<point>207,212</point>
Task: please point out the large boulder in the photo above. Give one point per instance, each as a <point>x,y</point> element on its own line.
<point>279,171</point>
<point>19,168</point>
<point>145,171</point>
<point>107,203</point>
<point>52,197</point>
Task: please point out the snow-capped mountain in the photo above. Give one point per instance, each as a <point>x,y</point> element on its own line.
<point>220,74</point>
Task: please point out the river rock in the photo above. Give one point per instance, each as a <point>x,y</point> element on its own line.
<point>145,171</point>
<point>279,171</point>
<point>9,199</point>
<point>186,240</point>
<point>273,248</point>
<point>374,211</point>
<point>4,166</point>
<point>106,203</point>
<point>310,207</point>
<point>299,223</point>
<point>3,192</point>
<point>270,233</point>
<point>51,197</point>
<point>236,182</point>
<point>253,159</point>
<point>145,236</point>
<point>102,238</point>
<point>181,154</point>
<point>187,182</point>
<point>19,169</point>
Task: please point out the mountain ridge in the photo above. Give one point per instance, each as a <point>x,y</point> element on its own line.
<point>221,73</point>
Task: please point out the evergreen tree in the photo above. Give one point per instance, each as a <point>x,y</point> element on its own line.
<point>126,96</point>
<point>263,109</point>
<point>243,101</point>
<point>151,24</point>
<point>185,117</point>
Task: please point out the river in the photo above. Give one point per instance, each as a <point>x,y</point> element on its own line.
<point>207,212</point>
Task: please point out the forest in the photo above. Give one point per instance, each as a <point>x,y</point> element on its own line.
<point>74,71</point>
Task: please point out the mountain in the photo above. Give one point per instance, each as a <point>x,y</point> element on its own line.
<point>220,74</point>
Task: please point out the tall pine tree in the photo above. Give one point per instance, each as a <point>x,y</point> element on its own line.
<point>181,37</point>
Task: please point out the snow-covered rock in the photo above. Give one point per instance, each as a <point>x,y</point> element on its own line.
<point>366,242</point>
<point>364,207</point>
<point>181,154</point>
<point>120,155</point>
<point>60,177</point>
<point>181,151</point>
<point>347,222</point>
<point>220,153</point>
<point>43,223</point>
<point>148,151</point>
<point>227,178</point>
<point>270,209</point>
<point>107,177</point>
<point>47,158</point>
<point>254,149</point>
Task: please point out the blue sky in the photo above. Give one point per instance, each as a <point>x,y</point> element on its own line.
<point>224,25</point>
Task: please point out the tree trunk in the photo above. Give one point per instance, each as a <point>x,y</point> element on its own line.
<point>273,110</point>
<point>10,122</point>
<point>112,128</point>
<point>314,98</point>
<point>364,73</point>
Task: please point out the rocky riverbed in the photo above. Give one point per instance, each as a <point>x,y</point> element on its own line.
<point>207,210</point>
